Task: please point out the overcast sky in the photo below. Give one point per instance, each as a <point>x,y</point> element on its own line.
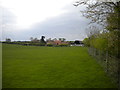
<point>22,19</point>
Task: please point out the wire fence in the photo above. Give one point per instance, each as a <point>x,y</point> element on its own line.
<point>110,63</point>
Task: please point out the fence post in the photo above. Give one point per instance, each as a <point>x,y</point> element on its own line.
<point>107,62</point>
<point>106,59</point>
<point>118,74</point>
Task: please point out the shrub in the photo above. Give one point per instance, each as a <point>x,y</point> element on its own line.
<point>49,44</point>
<point>64,45</point>
<point>86,42</point>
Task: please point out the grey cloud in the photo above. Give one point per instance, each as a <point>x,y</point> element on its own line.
<point>7,16</point>
<point>70,25</point>
<point>7,22</point>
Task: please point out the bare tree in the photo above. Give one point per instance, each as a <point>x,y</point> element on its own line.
<point>98,11</point>
<point>62,39</point>
<point>92,30</point>
<point>31,38</point>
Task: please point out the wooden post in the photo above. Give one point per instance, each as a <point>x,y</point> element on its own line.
<point>118,74</point>
<point>107,62</point>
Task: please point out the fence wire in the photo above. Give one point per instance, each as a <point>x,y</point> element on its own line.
<point>110,63</point>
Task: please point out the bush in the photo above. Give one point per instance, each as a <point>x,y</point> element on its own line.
<point>101,44</point>
<point>86,42</point>
<point>37,44</point>
<point>64,45</point>
<point>49,44</point>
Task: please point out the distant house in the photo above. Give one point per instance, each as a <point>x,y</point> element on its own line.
<point>77,43</point>
<point>8,40</point>
<point>57,42</point>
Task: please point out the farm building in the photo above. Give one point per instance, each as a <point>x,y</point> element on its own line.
<point>57,42</point>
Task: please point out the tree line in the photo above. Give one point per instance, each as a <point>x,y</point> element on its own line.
<point>104,43</point>
<point>106,14</point>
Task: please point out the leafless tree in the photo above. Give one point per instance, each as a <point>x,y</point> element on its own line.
<point>98,10</point>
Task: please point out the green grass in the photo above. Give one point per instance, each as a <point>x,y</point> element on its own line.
<point>51,67</point>
<point>0,65</point>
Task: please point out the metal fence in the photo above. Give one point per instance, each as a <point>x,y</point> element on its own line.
<point>110,64</point>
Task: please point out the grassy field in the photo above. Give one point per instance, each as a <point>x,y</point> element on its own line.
<point>51,67</point>
<point>0,66</point>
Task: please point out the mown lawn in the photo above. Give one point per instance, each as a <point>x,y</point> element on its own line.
<point>51,67</point>
<point>0,65</point>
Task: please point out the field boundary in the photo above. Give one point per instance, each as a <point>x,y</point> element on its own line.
<point>110,64</point>
<point>0,65</point>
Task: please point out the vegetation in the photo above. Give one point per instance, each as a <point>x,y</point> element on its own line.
<point>105,14</point>
<point>0,65</point>
<point>107,40</point>
<point>49,44</point>
<point>51,67</point>
<point>98,11</point>
<point>42,40</point>
<point>62,45</point>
